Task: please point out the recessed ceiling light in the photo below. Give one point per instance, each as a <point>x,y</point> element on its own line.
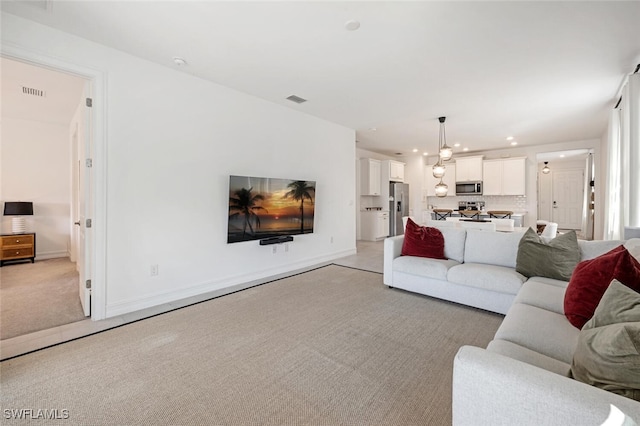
<point>373,129</point>
<point>425,153</point>
<point>561,155</point>
<point>179,61</point>
<point>415,150</point>
<point>457,145</point>
<point>465,149</point>
<point>351,25</point>
<point>514,143</point>
<point>509,138</point>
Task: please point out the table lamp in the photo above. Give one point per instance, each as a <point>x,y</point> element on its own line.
<point>18,209</point>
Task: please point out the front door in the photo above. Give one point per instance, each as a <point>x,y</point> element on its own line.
<point>568,198</point>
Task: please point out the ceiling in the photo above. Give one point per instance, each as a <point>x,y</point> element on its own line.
<point>542,71</point>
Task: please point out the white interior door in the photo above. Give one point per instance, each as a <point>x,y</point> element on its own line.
<point>568,197</point>
<point>83,208</point>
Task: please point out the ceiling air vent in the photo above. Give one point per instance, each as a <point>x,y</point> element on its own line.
<point>296,99</point>
<point>33,92</point>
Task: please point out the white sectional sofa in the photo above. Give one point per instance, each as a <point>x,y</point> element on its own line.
<point>522,376</point>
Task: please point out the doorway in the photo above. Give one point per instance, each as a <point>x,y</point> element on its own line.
<point>565,190</point>
<point>46,126</point>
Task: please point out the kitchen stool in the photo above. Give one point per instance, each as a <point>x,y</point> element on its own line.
<point>442,214</point>
<point>473,214</point>
<point>500,214</point>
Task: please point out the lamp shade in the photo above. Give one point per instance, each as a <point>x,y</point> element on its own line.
<point>18,208</point>
<point>546,168</point>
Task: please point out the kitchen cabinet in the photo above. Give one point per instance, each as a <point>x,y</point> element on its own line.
<point>394,169</point>
<point>374,225</point>
<point>504,176</point>
<point>469,169</point>
<point>449,179</point>
<point>370,177</point>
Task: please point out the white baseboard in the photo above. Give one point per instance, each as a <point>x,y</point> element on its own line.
<point>51,254</point>
<point>224,286</point>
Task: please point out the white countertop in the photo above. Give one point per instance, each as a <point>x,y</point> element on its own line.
<point>484,212</point>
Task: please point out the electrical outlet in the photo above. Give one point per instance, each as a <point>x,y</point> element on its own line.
<point>332,239</point>
<point>154,270</point>
<point>274,249</point>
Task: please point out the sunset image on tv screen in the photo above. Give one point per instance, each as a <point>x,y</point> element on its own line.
<point>265,207</point>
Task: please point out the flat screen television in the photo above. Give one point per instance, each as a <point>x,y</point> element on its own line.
<point>262,208</point>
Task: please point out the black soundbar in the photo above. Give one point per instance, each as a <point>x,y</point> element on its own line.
<point>276,240</point>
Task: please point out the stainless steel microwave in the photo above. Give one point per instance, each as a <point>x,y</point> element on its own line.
<point>468,188</point>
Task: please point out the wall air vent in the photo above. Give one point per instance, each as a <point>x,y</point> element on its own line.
<point>33,92</point>
<point>296,99</point>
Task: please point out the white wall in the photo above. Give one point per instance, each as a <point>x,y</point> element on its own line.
<point>36,167</point>
<point>172,142</point>
<point>414,176</point>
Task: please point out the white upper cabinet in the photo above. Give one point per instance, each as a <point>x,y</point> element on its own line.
<point>504,177</point>
<point>492,177</point>
<point>514,172</point>
<point>449,179</point>
<point>395,169</point>
<point>370,177</point>
<point>468,169</point>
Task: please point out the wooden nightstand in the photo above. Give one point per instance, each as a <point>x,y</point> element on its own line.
<point>17,247</point>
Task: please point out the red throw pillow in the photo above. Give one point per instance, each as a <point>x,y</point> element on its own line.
<point>422,241</point>
<point>591,278</point>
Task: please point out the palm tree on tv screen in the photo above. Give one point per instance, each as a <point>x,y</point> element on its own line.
<point>299,191</point>
<point>245,203</point>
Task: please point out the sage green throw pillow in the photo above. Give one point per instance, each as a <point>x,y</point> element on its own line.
<point>608,351</point>
<point>556,259</point>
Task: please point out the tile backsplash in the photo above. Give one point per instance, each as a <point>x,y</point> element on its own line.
<point>515,203</point>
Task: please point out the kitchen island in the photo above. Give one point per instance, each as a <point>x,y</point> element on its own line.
<point>518,218</point>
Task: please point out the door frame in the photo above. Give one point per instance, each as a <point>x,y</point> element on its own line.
<point>97,82</point>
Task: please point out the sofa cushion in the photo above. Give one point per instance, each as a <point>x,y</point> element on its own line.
<point>422,266</point>
<point>591,279</point>
<point>543,331</point>
<point>422,241</point>
<point>592,249</point>
<point>529,356</point>
<point>608,353</point>
<point>556,259</point>
<point>487,277</point>
<point>492,248</point>
<point>454,240</point>
<point>542,295</point>
<point>550,281</point>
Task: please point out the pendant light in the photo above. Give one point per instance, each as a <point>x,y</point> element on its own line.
<point>438,170</point>
<point>441,189</point>
<point>446,152</point>
<point>546,168</point>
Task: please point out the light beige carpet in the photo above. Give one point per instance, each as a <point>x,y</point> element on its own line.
<point>333,346</point>
<point>37,296</point>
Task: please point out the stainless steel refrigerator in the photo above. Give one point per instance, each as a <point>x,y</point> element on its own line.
<point>398,207</point>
